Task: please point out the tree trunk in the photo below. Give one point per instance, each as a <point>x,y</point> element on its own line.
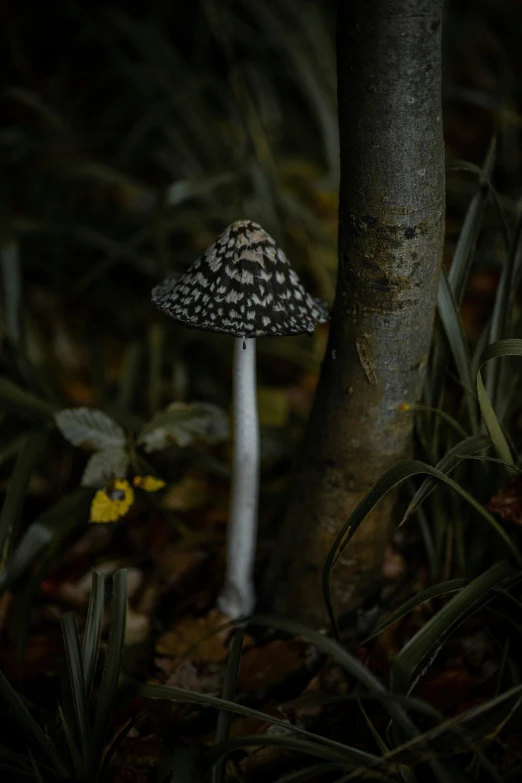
<point>391,230</point>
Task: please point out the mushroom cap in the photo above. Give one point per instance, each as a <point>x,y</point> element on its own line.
<point>242,285</point>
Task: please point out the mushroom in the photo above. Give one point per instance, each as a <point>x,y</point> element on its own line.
<point>242,285</point>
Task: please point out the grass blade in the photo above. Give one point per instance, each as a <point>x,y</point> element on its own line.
<point>385,484</point>
<point>149,691</point>
<point>12,285</point>
<point>54,524</point>
<point>334,650</point>
<point>500,317</point>
<point>455,725</point>
<point>469,233</point>
<point>229,687</point>
<point>36,772</point>
<point>494,351</point>
<point>72,746</point>
<point>119,737</point>
<point>442,414</point>
<point>455,455</point>
<point>24,403</point>
<point>73,655</point>
<point>93,630</point>
<point>461,264</point>
<point>350,757</point>
<point>428,640</point>
<point>112,666</point>
<point>449,315</point>
<point>435,591</point>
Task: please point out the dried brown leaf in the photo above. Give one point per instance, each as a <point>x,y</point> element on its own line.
<point>200,639</point>
<point>507,503</point>
<point>264,667</point>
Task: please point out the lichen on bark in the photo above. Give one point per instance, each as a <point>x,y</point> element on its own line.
<point>391,229</point>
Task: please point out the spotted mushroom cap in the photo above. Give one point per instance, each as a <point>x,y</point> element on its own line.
<point>242,285</point>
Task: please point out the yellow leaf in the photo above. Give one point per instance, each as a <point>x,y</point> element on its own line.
<point>112,503</point>
<point>148,483</point>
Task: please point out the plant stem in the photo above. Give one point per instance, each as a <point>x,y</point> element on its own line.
<point>237,597</point>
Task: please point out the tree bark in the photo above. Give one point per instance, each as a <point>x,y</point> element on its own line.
<point>391,230</point>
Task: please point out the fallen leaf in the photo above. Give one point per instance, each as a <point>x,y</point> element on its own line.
<point>507,503</point>
<point>183,424</point>
<point>201,639</point>
<point>264,667</point>
<point>148,483</point>
<point>445,690</point>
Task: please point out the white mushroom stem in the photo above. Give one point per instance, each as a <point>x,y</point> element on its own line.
<point>237,598</point>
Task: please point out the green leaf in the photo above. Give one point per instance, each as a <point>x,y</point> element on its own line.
<point>183,423</point>
<point>105,465</point>
<point>385,484</point>
<point>73,656</point>
<point>431,636</point>
<point>93,630</point>
<point>112,666</point>
<point>185,190</point>
<point>90,428</point>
